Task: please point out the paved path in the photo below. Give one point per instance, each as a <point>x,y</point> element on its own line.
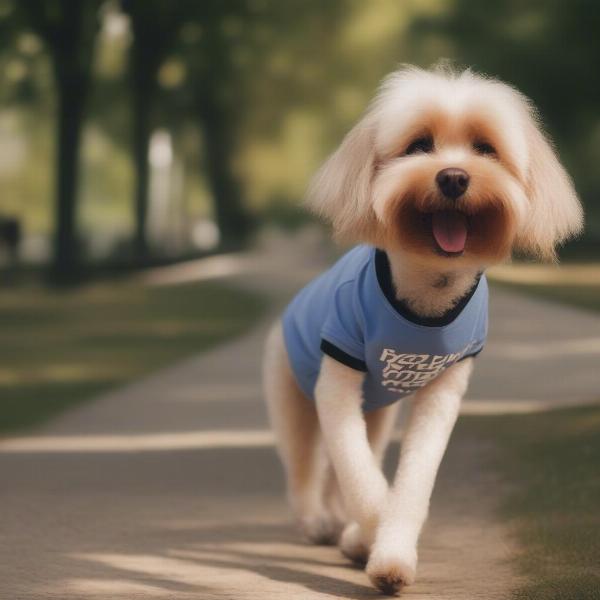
<point>170,488</point>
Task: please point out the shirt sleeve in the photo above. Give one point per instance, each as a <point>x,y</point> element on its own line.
<point>341,334</point>
<point>471,353</point>
<point>482,326</point>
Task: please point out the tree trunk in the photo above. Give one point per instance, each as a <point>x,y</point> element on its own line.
<point>70,39</point>
<point>146,54</point>
<point>232,220</point>
<point>142,94</point>
<point>72,91</point>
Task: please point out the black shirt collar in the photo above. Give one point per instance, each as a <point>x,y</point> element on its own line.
<point>384,277</point>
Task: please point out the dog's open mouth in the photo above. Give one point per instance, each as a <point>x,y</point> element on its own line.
<point>449,229</point>
<point>482,231</point>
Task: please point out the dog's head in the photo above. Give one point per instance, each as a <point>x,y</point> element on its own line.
<point>446,166</point>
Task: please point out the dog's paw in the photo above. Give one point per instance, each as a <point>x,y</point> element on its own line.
<point>322,528</point>
<point>353,544</point>
<point>390,572</point>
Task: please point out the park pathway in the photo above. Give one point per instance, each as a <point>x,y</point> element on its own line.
<point>170,489</point>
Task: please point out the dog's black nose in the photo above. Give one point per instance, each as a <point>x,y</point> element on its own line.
<point>452,182</point>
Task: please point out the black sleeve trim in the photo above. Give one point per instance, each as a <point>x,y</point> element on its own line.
<point>472,355</point>
<point>341,356</point>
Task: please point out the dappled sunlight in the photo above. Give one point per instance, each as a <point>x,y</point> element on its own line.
<point>213,267</point>
<point>546,349</point>
<point>521,406</point>
<point>153,442</point>
<point>246,570</point>
<point>158,567</point>
<point>587,275</point>
<point>241,438</point>
<point>76,372</point>
<point>113,588</point>
<point>251,558</point>
<point>63,373</point>
<point>373,25</point>
<point>298,555</point>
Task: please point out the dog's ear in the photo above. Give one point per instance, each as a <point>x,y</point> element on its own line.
<point>341,190</point>
<point>555,213</point>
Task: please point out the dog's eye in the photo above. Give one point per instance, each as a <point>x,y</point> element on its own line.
<point>483,148</point>
<point>423,144</point>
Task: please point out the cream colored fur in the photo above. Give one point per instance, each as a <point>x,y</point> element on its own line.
<point>371,190</point>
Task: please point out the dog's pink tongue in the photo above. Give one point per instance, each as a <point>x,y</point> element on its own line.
<point>450,230</point>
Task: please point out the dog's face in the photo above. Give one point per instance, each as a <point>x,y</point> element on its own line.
<point>448,167</point>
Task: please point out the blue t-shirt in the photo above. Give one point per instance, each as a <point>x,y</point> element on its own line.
<point>350,312</point>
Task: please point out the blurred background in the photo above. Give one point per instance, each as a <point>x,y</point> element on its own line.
<point>139,133</point>
<point>143,131</point>
<point>153,160</point>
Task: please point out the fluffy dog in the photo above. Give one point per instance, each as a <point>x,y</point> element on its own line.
<point>446,174</point>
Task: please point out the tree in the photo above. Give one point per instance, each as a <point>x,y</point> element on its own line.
<point>156,27</point>
<point>210,81</point>
<point>229,87</point>
<point>155,24</point>
<point>222,93</point>
<point>68,29</point>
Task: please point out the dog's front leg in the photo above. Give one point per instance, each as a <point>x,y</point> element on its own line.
<point>393,560</point>
<point>339,404</point>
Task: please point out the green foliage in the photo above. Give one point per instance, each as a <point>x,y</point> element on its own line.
<point>58,348</point>
<point>268,88</point>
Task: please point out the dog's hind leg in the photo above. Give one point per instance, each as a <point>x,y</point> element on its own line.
<point>295,423</point>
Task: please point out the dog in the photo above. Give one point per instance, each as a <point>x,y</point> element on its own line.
<point>447,173</point>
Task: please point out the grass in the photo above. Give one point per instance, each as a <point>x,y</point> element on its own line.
<point>552,463</point>
<point>58,348</point>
